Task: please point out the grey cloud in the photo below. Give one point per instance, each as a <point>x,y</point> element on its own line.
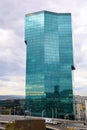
<point>7,68</point>
<point>12,17</point>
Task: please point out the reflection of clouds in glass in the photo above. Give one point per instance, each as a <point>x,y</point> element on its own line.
<point>51,52</point>
<point>35,89</point>
<point>35,20</point>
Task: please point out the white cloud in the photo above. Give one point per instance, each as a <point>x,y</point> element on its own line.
<point>13,85</point>
<point>81,78</point>
<point>80,82</point>
<point>12,48</point>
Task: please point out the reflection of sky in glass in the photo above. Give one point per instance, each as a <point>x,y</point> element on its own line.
<point>35,21</point>
<point>51,54</point>
<point>51,48</point>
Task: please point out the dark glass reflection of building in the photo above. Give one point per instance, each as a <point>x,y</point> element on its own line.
<point>49,64</point>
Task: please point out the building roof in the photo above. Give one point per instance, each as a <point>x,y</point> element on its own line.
<point>44,11</point>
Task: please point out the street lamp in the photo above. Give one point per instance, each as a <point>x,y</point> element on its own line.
<point>52,113</point>
<point>43,111</point>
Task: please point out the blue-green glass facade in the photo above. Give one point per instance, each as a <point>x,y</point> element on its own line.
<point>49,64</point>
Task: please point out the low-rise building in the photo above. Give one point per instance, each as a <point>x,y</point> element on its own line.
<point>80,107</point>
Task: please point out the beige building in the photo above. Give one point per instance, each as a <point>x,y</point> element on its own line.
<point>80,107</point>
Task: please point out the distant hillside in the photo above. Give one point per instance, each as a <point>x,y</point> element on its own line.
<point>6,97</point>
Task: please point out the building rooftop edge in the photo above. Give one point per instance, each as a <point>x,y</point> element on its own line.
<point>47,12</point>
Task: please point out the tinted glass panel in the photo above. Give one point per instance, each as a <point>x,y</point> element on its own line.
<point>48,64</point>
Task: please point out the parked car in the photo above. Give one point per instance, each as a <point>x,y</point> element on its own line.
<point>51,121</point>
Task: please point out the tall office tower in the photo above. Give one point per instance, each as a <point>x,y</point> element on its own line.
<point>49,64</point>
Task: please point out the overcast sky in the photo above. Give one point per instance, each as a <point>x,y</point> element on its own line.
<point>13,48</point>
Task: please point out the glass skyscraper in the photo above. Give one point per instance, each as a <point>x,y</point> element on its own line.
<point>49,64</point>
